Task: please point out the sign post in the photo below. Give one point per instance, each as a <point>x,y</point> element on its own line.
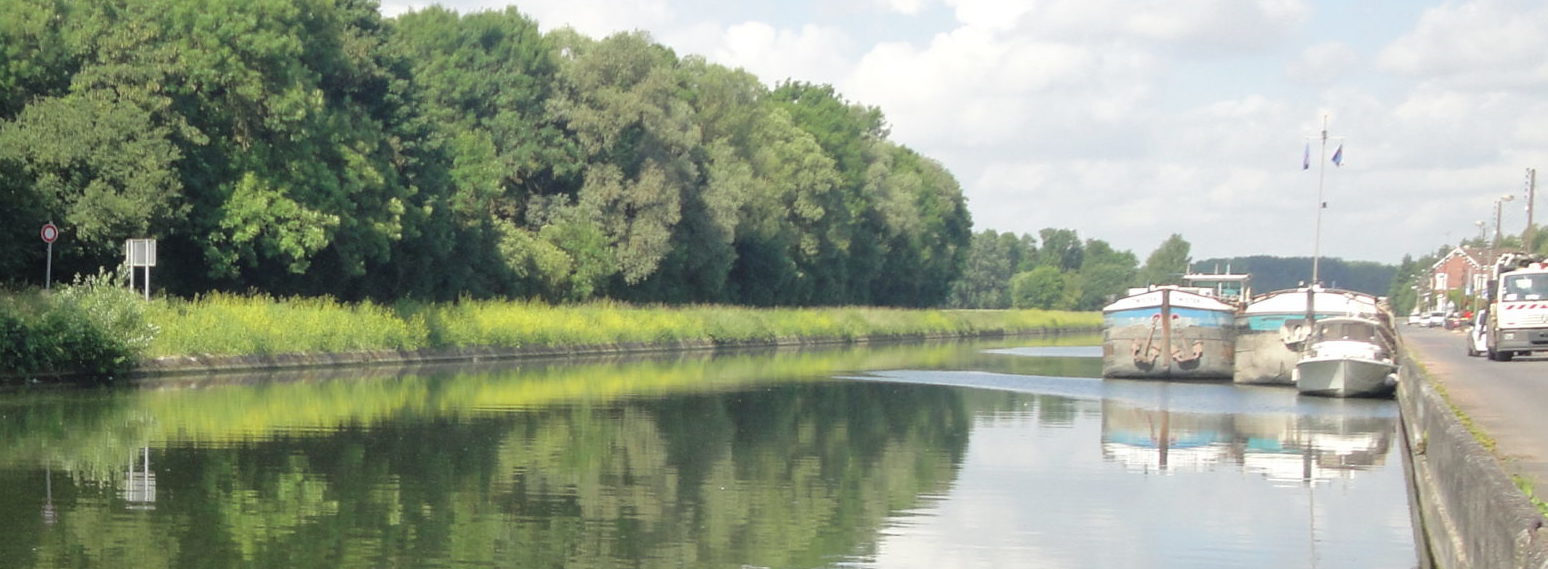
<point>49,233</point>
<point>140,253</point>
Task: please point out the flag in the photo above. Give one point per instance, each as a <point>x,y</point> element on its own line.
<point>1306,158</point>
<point>1338,156</point>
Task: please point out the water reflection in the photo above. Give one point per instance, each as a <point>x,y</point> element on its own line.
<point>1283,447</point>
<point>1083,472</point>
<point>682,461</point>
<point>760,459</point>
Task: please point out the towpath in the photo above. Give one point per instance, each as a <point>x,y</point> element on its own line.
<point>1508,401</point>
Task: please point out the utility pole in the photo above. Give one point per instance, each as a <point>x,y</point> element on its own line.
<point>1531,198</point>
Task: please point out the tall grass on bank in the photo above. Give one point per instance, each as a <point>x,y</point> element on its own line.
<point>220,324</point>
<point>226,324</point>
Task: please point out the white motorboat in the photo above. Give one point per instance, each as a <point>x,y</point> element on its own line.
<point>1348,356</point>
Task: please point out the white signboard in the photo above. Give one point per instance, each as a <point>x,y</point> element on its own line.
<point>140,252</point>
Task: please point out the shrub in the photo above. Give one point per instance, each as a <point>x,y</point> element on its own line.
<point>92,326</point>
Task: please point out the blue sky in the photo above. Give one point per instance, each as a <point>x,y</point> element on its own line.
<point>1130,120</point>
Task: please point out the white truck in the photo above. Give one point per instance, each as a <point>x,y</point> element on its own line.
<point>1518,306</point>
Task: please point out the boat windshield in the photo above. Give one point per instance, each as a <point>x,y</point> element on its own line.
<point>1526,287</point>
<point>1360,331</point>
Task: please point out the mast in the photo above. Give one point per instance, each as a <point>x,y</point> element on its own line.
<point>1322,174</point>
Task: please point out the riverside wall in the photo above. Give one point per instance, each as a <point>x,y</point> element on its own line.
<point>1468,512</point>
<point>174,365</point>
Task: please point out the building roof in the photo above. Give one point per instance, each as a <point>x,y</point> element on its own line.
<point>1479,258</point>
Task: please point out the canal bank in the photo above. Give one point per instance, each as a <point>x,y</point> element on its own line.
<point>171,365</point>
<point>1468,510</point>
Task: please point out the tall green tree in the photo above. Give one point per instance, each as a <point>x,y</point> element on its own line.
<point>1042,287</point>
<point>992,259</point>
<point>1168,263</point>
<point>1061,249</point>
<point>622,97</point>
<point>1105,274</point>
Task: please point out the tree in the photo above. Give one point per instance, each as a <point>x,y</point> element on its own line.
<point>1168,263</point>
<point>1061,249</point>
<point>1105,274</point>
<point>101,163</point>
<point>992,260</point>
<point>1042,287</point>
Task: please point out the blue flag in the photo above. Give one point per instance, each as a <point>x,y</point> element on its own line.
<point>1338,155</point>
<point>1306,158</point>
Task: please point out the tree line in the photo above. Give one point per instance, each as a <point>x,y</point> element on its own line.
<point>1058,270</point>
<point>312,147</point>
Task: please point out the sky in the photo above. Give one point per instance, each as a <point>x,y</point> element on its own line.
<point>1131,120</point>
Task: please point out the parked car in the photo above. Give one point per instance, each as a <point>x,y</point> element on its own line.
<point>1477,335</point>
<point>1416,319</point>
<point>1435,319</point>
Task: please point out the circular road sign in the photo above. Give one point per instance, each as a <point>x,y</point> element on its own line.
<point>49,233</point>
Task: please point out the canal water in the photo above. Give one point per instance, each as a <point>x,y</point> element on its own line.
<point>931,455</point>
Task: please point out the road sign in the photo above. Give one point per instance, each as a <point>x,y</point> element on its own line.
<point>49,233</point>
<point>140,252</point>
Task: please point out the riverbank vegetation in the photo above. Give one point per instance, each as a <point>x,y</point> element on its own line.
<point>97,327</point>
<point>231,325</point>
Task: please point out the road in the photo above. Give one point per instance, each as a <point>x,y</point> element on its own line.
<point>1508,401</point>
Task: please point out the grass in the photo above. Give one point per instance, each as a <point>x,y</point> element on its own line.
<point>1526,488</point>
<point>223,324</point>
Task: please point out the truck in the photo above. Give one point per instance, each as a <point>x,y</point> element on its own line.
<point>1518,306</point>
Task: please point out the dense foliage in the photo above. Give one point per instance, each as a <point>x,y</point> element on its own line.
<point>312,147</point>
<point>1004,270</point>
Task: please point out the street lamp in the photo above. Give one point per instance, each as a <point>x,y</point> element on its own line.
<point>1497,203</point>
<point>1480,223</point>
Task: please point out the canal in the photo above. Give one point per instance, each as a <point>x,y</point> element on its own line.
<point>997,454</point>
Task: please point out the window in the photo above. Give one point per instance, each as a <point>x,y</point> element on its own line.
<point>1440,282</point>
<point>1526,287</point>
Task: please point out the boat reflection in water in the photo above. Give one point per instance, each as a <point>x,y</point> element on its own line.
<point>1269,433</point>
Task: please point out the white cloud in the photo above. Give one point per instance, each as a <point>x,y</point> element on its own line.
<point>907,7</point>
<point>975,87</point>
<point>991,14</point>
<point>812,53</point>
<point>1324,63</point>
<point>1479,44</point>
<point>597,18</point>
<point>1187,24</point>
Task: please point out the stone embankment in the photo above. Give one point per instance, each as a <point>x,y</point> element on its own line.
<point>1467,510</point>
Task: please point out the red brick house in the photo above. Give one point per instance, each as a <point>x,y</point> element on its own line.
<point>1464,270</point>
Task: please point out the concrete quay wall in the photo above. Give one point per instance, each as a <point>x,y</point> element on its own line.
<point>1469,512</point>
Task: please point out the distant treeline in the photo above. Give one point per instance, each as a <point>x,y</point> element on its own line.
<point>1058,270</point>
<point>313,147</point>
<point>1274,273</point>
